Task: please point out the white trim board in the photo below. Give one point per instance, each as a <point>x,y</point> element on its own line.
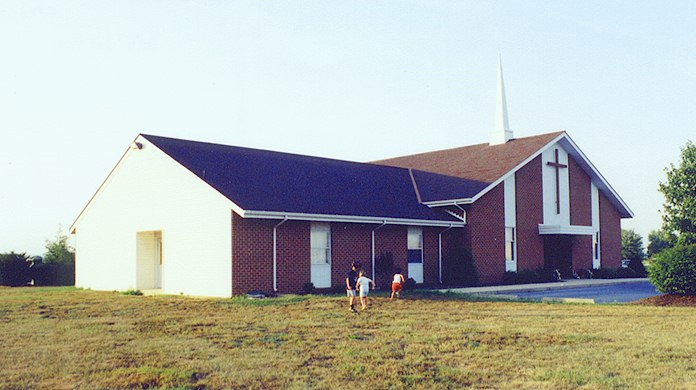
<point>572,149</point>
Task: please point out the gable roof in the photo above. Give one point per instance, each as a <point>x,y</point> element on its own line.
<point>491,164</point>
<point>482,162</point>
<point>262,182</point>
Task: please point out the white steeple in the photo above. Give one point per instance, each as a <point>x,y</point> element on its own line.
<point>501,132</point>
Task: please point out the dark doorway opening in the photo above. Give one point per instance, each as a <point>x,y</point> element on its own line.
<point>558,254</point>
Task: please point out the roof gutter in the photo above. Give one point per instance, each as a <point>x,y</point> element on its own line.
<point>348,218</point>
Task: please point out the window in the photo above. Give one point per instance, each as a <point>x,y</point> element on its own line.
<point>595,245</point>
<point>320,242</point>
<point>415,244</point>
<point>510,244</point>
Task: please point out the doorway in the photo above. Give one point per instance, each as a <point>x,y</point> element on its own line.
<point>558,254</point>
<point>149,260</point>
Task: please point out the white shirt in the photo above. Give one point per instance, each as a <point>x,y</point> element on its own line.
<point>364,284</point>
<point>397,278</point>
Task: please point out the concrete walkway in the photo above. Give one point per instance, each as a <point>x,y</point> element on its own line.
<point>573,283</point>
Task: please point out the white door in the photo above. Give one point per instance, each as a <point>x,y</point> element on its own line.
<point>320,243</point>
<point>415,253</point>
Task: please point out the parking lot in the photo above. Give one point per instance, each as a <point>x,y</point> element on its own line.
<point>616,293</point>
<point>597,290</point>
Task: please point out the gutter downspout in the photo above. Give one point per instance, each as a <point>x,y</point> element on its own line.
<point>439,252</point>
<point>374,274</point>
<point>275,278</point>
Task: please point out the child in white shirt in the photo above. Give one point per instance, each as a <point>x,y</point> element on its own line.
<point>397,283</point>
<point>364,286</point>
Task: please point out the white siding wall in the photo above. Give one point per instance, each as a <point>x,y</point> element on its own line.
<point>511,216</point>
<point>551,217</point>
<point>148,192</point>
<point>596,263</point>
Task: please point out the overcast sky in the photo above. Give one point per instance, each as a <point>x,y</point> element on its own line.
<point>350,80</point>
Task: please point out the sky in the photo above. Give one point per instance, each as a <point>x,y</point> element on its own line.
<point>353,80</point>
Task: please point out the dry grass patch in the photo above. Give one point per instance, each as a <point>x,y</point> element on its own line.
<point>67,338</point>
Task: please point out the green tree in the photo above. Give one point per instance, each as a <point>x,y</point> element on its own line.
<point>631,245</point>
<point>659,240</point>
<point>59,251</point>
<point>14,269</point>
<point>679,190</point>
<point>59,263</point>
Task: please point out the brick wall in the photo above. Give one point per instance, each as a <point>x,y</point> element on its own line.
<point>392,238</point>
<point>530,213</point>
<point>580,195</point>
<point>252,252</point>
<point>293,254</point>
<point>252,255</point>
<point>582,252</point>
<point>485,235</point>
<point>350,242</point>
<point>609,233</point>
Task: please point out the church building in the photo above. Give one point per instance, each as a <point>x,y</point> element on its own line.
<point>214,220</point>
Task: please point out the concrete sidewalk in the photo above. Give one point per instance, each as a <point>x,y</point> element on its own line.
<point>572,283</point>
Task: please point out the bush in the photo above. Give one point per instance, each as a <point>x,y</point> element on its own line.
<point>307,288</point>
<point>384,267</point>
<point>458,268</point>
<point>14,269</point>
<point>410,284</point>
<point>527,276</point>
<point>53,274</point>
<point>637,266</point>
<point>673,271</point>
<point>604,273</point>
<point>626,272</point>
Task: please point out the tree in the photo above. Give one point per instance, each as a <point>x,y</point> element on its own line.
<point>14,269</point>
<point>679,190</point>
<point>59,251</point>
<point>659,240</point>
<point>58,266</point>
<point>631,245</point>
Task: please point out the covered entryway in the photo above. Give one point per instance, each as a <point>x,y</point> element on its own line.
<point>558,254</point>
<point>149,260</point>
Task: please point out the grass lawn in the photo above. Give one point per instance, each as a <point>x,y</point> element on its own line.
<point>68,338</point>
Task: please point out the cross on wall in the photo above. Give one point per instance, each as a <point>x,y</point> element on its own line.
<point>557,165</point>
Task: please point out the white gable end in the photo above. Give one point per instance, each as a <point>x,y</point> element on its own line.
<point>147,199</point>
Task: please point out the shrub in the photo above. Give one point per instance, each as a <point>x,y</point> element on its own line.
<point>458,268</point>
<point>673,271</point>
<point>132,292</point>
<point>626,272</point>
<point>527,276</point>
<point>604,273</point>
<point>14,269</point>
<point>410,284</point>
<point>637,266</point>
<point>384,266</point>
<point>308,288</point>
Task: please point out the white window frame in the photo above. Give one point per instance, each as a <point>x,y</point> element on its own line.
<point>413,230</point>
<point>511,242</point>
<point>320,227</point>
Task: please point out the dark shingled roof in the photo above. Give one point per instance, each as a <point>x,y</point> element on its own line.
<point>263,180</point>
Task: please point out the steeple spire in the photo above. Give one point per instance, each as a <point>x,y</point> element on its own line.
<point>501,132</point>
